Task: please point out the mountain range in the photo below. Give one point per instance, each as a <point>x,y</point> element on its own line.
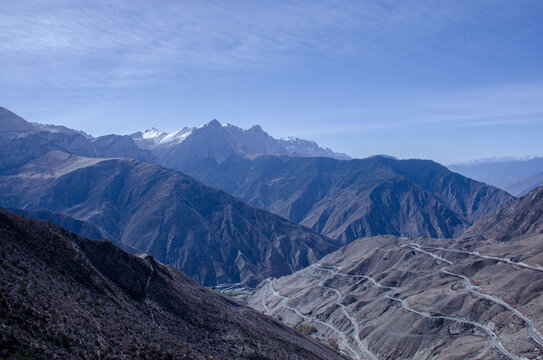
<point>21,141</point>
<point>339,197</point>
<point>82,183</point>
<point>516,176</point>
<point>208,234</point>
<point>328,192</point>
<point>214,142</point>
<point>435,264</point>
<point>65,297</point>
<point>478,297</point>
<point>349,199</point>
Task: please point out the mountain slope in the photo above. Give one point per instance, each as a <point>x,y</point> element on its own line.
<point>476,297</point>
<point>523,217</point>
<point>206,233</point>
<point>63,296</point>
<point>10,121</point>
<point>82,228</point>
<point>356,198</point>
<point>341,199</point>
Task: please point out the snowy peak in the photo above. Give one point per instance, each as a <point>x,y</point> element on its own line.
<point>176,137</point>
<point>151,133</point>
<point>289,138</point>
<point>218,141</point>
<point>153,137</point>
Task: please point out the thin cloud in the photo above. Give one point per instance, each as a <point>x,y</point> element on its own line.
<point>115,43</point>
<point>520,104</point>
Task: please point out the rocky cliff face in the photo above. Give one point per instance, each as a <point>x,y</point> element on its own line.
<point>63,296</point>
<point>206,233</point>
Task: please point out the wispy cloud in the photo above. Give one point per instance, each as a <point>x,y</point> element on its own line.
<point>104,42</point>
<point>483,107</point>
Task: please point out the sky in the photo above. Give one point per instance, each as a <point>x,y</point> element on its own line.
<point>450,81</point>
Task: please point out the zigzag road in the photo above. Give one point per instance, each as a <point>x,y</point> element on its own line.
<point>334,270</point>
<point>404,305</point>
<point>481,326</point>
<point>531,328</point>
<point>475,253</point>
<point>283,303</point>
<point>353,321</point>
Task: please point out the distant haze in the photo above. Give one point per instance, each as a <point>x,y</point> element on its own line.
<point>444,80</point>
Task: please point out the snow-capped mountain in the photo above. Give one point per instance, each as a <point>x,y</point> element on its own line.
<point>153,138</point>
<point>218,141</point>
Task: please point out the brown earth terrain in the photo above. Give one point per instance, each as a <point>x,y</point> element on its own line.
<point>477,297</point>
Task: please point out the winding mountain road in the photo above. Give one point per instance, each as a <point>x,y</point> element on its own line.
<point>362,352</point>
<point>472,288</point>
<point>356,336</point>
<point>337,273</point>
<point>403,303</point>
<point>475,253</point>
<point>493,336</point>
<point>343,337</point>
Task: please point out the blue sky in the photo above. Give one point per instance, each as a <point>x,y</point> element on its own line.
<point>443,80</point>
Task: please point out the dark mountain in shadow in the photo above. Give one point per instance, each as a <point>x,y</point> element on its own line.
<point>206,233</point>
<point>64,297</point>
<point>356,198</point>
